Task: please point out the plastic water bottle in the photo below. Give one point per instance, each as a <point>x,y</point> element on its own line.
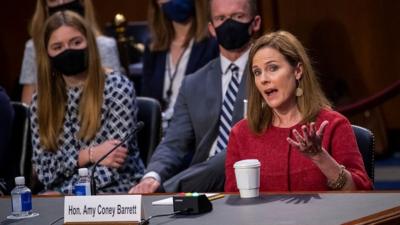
<point>82,187</point>
<point>21,198</point>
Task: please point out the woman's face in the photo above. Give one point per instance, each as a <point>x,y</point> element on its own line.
<point>63,38</point>
<point>275,78</point>
<point>54,3</point>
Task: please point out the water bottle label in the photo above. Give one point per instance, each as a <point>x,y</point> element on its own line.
<point>22,203</point>
<point>26,201</point>
<point>82,189</point>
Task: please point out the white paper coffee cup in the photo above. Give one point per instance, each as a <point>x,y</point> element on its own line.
<point>247,174</point>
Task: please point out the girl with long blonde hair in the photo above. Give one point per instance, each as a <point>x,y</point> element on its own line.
<point>81,111</point>
<point>44,8</point>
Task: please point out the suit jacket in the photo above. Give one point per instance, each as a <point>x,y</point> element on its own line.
<point>154,66</point>
<point>192,131</point>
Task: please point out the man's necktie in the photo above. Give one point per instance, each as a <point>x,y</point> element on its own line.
<point>225,119</point>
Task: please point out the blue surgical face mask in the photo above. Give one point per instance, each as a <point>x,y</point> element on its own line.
<point>178,10</point>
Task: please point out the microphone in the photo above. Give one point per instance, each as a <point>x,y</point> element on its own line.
<point>138,127</point>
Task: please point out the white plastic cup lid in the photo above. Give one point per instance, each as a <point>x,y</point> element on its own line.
<point>83,172</point>
<point>247,163</point>
<point>20,180</point>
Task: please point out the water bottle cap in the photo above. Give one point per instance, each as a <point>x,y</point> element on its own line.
<point>83,172</point>
<point>20,180</point>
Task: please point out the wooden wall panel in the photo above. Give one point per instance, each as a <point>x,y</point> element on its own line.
<point>133,10</point>
<point>356,41</point>
<point>13,36</point>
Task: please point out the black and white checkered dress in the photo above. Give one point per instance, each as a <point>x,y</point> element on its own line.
<point>59,171</point>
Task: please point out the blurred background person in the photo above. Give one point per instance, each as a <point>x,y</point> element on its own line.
<point>44,8</point>
<point>302,144</point>
<point>179,46</point>
<point>81,111</point>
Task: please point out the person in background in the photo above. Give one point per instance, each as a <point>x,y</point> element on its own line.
<point>302,144</point>
<point>191,157</point>
<point>81,111</point>
<point>44,8</point>
<point>179,46</point>
<point>6,125</point>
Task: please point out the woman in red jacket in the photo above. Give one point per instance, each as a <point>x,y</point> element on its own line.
<point>302,144</point>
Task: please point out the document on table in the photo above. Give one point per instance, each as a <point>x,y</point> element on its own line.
<point>168,201</point>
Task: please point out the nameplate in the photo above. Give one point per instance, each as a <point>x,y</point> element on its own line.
<point>102,208</point>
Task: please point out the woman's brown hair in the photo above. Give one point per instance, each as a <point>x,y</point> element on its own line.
<point>51,91</point>
<point>259,115</point>
<point>162,32</point>
<point>42,13</point>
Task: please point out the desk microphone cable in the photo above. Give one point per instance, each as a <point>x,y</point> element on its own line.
<point>55,221</point>
<point>146,221</point>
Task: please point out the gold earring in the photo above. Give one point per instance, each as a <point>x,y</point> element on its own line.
<point>299,92</point>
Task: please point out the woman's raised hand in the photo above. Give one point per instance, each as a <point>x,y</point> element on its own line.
<point>309,142</point>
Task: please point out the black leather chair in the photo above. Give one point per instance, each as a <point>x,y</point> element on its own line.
<point>149,137</point>
<point>20,148</point>
<point>366,143</point>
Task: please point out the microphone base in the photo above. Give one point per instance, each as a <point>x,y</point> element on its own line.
<point>192,204</point>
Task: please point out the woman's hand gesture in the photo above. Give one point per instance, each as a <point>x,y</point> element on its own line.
<point>309,143</point>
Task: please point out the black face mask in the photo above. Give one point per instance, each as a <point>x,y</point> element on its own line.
<point>75,6</point>
<point>70,62</point>
<point>233,34</point>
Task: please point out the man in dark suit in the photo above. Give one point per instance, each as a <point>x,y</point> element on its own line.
<point>191,156</point>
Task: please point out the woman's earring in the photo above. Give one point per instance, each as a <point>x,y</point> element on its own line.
<point>299,90</point>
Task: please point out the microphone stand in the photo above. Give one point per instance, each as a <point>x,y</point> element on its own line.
<point>93,188</point>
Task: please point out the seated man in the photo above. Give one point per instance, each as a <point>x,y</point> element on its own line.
<point>191,157</point>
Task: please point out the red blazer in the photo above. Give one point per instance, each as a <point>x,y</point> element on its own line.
<point>284,168</point>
